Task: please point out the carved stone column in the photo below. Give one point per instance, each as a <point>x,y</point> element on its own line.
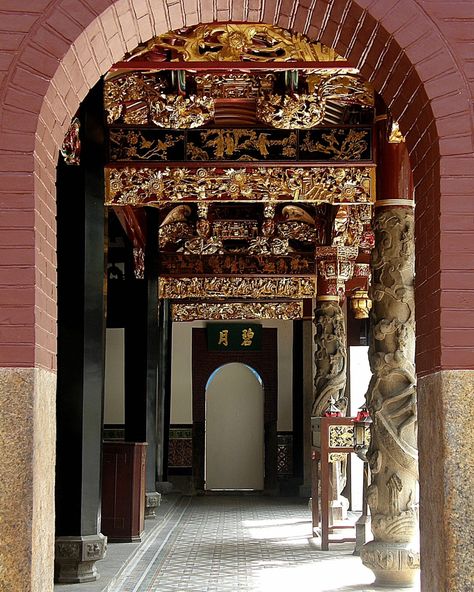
<point>330,356</point>
<point>335,267</point>
<point>393,554</point>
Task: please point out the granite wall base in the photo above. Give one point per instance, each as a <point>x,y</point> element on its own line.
<point>27,451</point>
<point>446,447</point>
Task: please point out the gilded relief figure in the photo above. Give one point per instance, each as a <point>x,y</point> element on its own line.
<point>240,144</point>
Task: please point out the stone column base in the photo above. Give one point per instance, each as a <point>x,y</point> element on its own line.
<point>75,558</point>
<point>363,533</point>
<point>164,487</point>
<point>338,509</point>
<point>152,501</point>
<point>394,564</point>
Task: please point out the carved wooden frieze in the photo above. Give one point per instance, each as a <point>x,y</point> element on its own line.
<point>146,186</point>
<point>341,436</point>
<point>143,98</point>
<point>236,287</point>
<point>306,110</point>
<point>234,85</point>
<point>216,42</point>
<point>215,311</point>
<point>242,144</point>
<point>178,264</point>
<point>337,144</point>
<point>144,144</point>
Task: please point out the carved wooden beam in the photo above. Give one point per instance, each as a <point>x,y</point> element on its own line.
<point>227,66</point>
<point>133,221</point>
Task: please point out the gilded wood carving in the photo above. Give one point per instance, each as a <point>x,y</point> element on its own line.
<point>237,310</point>
<point>240,144</point>
<point>233,42</point>
<point>147,186</point>
<point>177,264</point>
<point>237,287</point>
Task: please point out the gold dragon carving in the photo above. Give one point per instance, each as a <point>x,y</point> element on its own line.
<point>255,42</point>
<point>306,110</point>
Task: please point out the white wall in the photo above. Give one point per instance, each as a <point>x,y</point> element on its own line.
<point>234,429</point>
<point>360,376</point>
<point>114,403</point>
<point>181,371</point>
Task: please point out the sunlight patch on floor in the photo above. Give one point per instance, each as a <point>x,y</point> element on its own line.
<point>325,576</point>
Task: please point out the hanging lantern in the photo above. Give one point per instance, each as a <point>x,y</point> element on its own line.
<point>361,304</point>
<point>331,410</point>
<point>362,423</point>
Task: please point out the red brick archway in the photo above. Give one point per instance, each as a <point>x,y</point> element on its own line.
<point>417,54</point>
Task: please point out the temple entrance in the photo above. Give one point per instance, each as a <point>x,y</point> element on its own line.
<point>247,197</point>
<point>234,429</point>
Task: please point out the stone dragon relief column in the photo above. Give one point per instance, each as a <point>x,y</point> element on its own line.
<point>393,459</point>
<point>330,357</point>
<point>335,267</point>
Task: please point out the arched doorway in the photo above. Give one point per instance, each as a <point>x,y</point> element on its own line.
<point>234,429</point>
<point>265,364</point>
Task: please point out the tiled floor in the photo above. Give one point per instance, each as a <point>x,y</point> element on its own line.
<point>247,543</point>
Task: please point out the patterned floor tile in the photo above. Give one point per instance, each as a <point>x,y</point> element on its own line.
<point>247,544</point>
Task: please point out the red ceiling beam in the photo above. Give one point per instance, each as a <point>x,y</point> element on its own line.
<point>133,221</point>
<point>227,66</point>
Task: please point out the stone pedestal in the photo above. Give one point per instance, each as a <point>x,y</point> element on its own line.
<point>164,487</point>
<point>75,558</point>
<point>152,501</point>
<point>338,509</point>
<point>394,564</point>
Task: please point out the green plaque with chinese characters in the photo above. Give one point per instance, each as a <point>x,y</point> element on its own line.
<point>234,337</point>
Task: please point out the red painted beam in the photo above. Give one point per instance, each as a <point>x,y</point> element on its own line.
<point>133,221</point>
<point>226,66</point>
